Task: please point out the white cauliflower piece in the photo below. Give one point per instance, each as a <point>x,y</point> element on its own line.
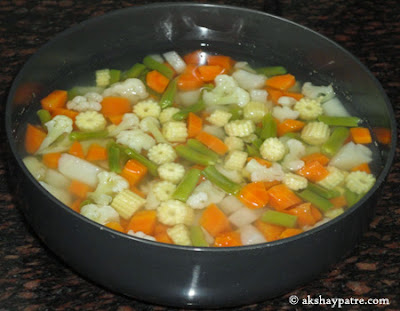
<point>351,155</point>
<point>109,184</point>
<point>167,114</point>
<point>259,172</point>
<point>292,161</point>
<point>234,143</point>
<point>147,108</point>
<point>235,160</point>
<point>136,139</point>
<point>272,149</point>
<point>309,109</point>
<point>175,131</point>
<point>226,91</point>
<point>248,80</point>
<point>162,153</point>
<point>314,92</point>
<point>234,175</point>
<point>333,179</point>
<point>61,194</point>
<point>240,128</point>
<point>141,235</point>
<point>56,127</point>
<point>198,200</point>
<point>254,111</point>
<point>359,182</point>
<point>133,89</point>
<point>101,214</point>
<point>129,122</point>
<point>283,113</point>
<point>35,167</point>
<point>90,121</point>
<point>219,117</point>
<point>259,96</point>
<point>174,212</point>
<point>286,101</point>
<point>214,195</point>
<point>172,172</point>
<point>295,182</point>
<point>180,235</point>
<point>163,190</point>
<point>214,130</point>
<point>152,125</point>
<point>315,133</point>
<point>90,101</point>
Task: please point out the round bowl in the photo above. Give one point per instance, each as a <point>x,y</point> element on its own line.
<point>189,276</point>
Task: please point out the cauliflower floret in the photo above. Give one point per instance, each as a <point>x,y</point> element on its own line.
<point>175,131</point>
<point>101,214</point>
<point>136,139</point>
<point>254,111</point>
<point>259,172</point>
<point>292,161</point>
<point>133,89</point>
<point>286,101</point>
<point>214,130</point>
<point>174,212</point>
<point>90,121</point>
<point>141,235</point>
<point>235,160</point>
<point>260,96</point>
<point>219,117</point>
<point>359,182</point>
<point>248,80</point>
<point>313,91</point>
<point>295,182</point>
<point>315,133</point>
<point>151,125</point>
<point>351,155</point>
<point>109,183</point>
<point>272,149</point>
<point>283,113</point>
<point>147,108</point>
<point>180,235</point>
<point>56,127</point>
<point>198,200</point>
<point>333,179</point>
<point>213,195</point>
<point>91,101</point>
<point>226,92</point>
<point>309,108</point>
<point>129,122</point>
<point>126,203</point>
<point>234,143</point>
<point>240,128</point>
<point>167,114</point>
<point>234,175</point>
<point>163,190</point>
<point>172,172</point>
<point>162,153</point>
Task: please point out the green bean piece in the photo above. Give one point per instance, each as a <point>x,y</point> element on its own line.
<point>184,112</point>
<point>143,74</point>
<point>207,87</point>
<point>252,151</point>
<point>198,146</point>
<point>212,174</point>
<point>272,71</point>
<point>340,121</point>
<point>114,158</point>
<point>134,71</point>
<point>320,202</point>
<point>269,127</point>
<point>167,98</point>
<point>86,202</point>
<point>236,113</point>
<point>323,192</point>
<point>193,156</point>
<point>115,75</point>
<point>257,143</point>
<point>133,154</point>
<point>280,219</point>
<point>187,185</point>
<point>88,135</point>
<point>335,141</point>
<point>352,197</point>
<point>44,116</point>
<point>197,237</point>
<point>292,135</point>
<point>161,68</point>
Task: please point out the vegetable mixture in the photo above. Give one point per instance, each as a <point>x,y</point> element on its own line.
<point>201,150</point>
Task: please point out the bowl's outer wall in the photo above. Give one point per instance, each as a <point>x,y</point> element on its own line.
<point>175,275</point>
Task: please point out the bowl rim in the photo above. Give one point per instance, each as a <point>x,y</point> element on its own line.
<point>245,248</point>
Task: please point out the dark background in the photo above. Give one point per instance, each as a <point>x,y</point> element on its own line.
<point>32,278</point>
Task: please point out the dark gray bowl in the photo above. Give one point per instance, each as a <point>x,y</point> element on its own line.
<point>187,276</point>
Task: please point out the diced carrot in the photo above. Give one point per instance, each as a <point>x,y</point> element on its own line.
<point>76,149</point>
<point>303,213</point>
<point>133,171</point>
<point>225,62</point>
<point>117,119</point>
<point>270,184</point>
<point>163,238</point>
<point>194,125</point>
<point>144,221</point>
<point>290,232</point>
<point>214,220</point>
<point>189,80</point>
<point>254,195</point>
<point>261,161</point>
<point>65,112</point>
<point>34,137</point>
<point>212,142</point>
<point>360,135</point>
<point>281,82</point>
<point>274,94</point>
<point>115,226</point>
<point>314,171</point>
<point>137,191</point>
<point>115,106</point>
<point>296,96</point>
<point>271,232</point>
<point>156,81</point>
<point>124,222</point>
<point>197,57</point>
<point>383,135</point>
<point>160,228</point>
<point>339,201</point>
<point>281,197</point>
<point>289,126</point>
<point>316,213</point>
<point>56,99</point>
<point>208,73</point>
<point>321,158</point>
<point>96,153</point>
<point>363,167</point>
<point>76,205</point>
<point>79,189</point>
<point>51,159</point>
<point>227,239</point>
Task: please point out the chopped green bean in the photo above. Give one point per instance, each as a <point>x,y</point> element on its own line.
<point>269,127</point>
<point>197,237</point>
<point>257,143</point>
<point>114,158</point>
<point>193,156</point>
<point>134,71</point>
<point>292,135</point>
<point>352,197</point>
<point>236,113</point>
<point>167,98</point>
<point>272,71</point>
<point>323,192</point>
<point>184,112</point>
<point>86,202</point>
<point>133,154</point>
<point>115,75</point>
<point>88,135</point>
<point>335,141</point>
<point>198,146</point>
<point>340,121</point>
<point>161,68</point>
<point>212,174</point>
<point>44,116</point>
<point>320,202</point>
<point>280,219</point>
<point>252,151</point>
<point>187,185</point>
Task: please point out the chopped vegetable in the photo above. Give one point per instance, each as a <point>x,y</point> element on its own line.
<point>212,142</point>
<point>254,195</point>
<point>161,68</point>
<point>281,197</point>
<point>214,221</point>
<point>361,135</point>
<point>315,199</point>
<point>126,203</point>
<point>34,138</point>
<point>56,99</point>
<point>335,141</point>
<point>340,121</point>
<point>212,174</point>
<point>280,219</point>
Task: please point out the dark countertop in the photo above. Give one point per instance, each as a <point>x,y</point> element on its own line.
<point>32,278</point>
